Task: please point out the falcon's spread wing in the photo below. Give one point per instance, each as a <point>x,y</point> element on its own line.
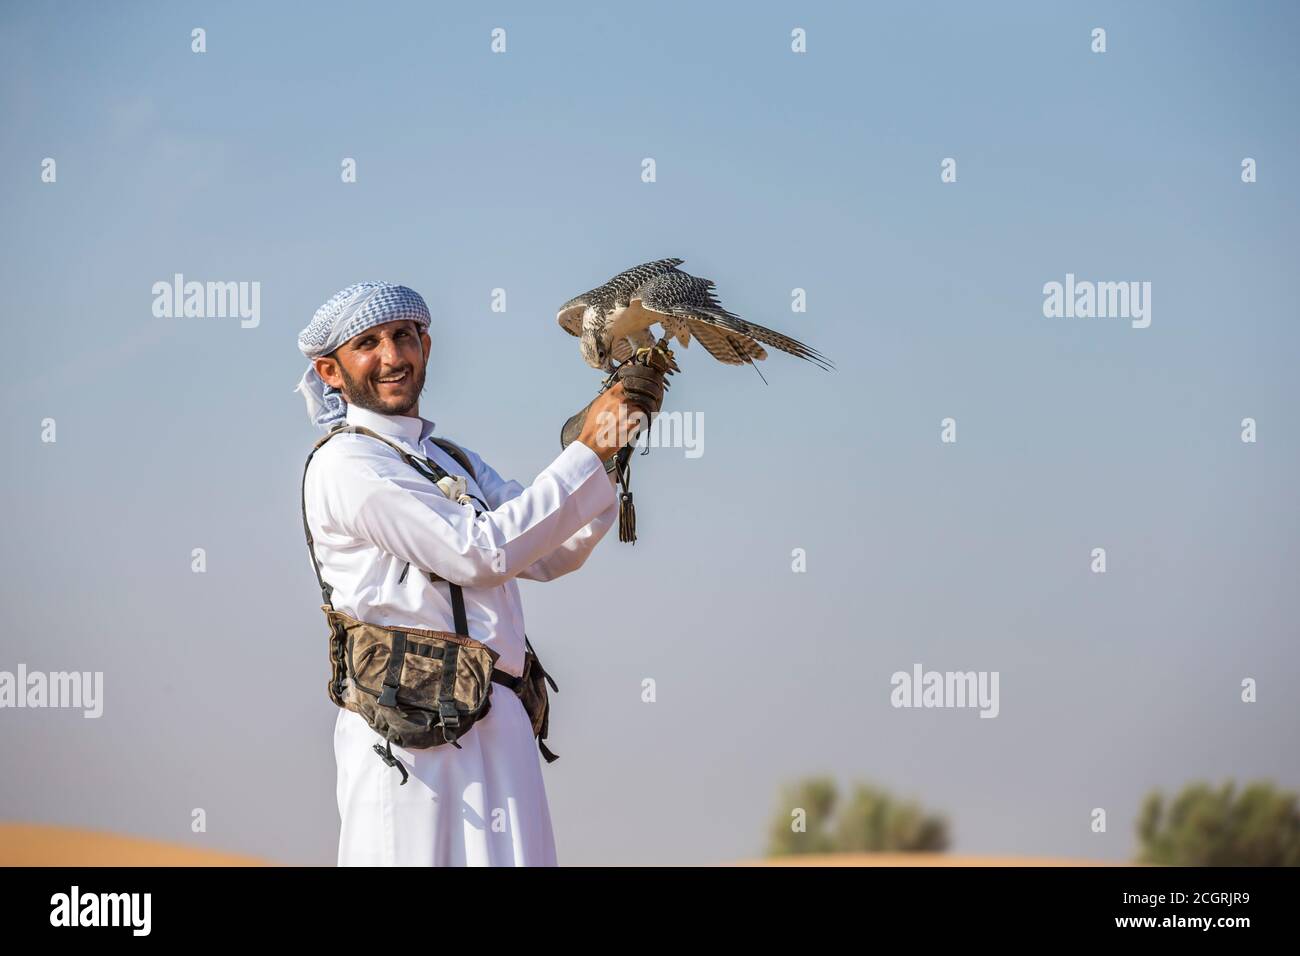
<point>629,280</point>
<point>605,296</point>
<point>685,304</point>
<point>570,314</point>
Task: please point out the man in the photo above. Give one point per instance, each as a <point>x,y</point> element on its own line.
<point>376,522</point>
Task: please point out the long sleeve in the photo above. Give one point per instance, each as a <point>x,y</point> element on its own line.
<point>573,552</point>
<point>369,493</point>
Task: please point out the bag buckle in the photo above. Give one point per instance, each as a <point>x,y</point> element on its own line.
<point>386,755</point>
<point>448,713</point>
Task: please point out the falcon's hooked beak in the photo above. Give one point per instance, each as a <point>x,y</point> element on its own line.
<point>593,352</point>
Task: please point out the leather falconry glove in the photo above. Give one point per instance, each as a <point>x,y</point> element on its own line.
<point>643,385</point>
<point>643,378</point>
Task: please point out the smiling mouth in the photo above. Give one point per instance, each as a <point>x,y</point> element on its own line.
<point>394,379</point>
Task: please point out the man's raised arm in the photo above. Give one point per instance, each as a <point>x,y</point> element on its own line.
<point>366,491</point>
<point>376,497</point>
<point>573,552</point>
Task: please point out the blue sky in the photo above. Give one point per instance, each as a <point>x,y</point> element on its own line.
<point>775,171</point>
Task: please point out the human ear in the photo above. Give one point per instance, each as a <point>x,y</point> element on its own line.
<point>328,369</point>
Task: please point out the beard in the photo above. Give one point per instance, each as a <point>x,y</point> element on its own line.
<point>364,393</point>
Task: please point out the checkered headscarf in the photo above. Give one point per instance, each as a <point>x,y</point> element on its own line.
<point>347,314</point>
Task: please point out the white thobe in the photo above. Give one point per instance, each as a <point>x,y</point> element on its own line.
<point>370,514</point>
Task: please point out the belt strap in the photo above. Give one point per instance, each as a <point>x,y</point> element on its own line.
<point>506,680</point>
<point>393,676</point>
<point>447,697</point>
<point>458,609</point>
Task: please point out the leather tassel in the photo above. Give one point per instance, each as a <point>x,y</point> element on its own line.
<point>626,510</point>
<point>626,518</point>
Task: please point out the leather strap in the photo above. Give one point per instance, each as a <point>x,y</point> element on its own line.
<point>447,712</point>
<point>393,676</point>
<point>506,680</point>
<point>458,609</point>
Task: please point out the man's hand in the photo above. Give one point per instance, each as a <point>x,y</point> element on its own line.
<point>643,386</point>
<point>640,385</point>
<point>612,421</point>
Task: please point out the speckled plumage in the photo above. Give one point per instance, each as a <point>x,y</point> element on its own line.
<point>605,296</point>
<point>616,317</point>
<point>685,305</point>
<point>587,315</point>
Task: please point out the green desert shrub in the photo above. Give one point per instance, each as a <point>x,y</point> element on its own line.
<point>1202,826</point>
<point>869,821</point>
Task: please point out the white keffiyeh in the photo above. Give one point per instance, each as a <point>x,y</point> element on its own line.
<point>349,313</point>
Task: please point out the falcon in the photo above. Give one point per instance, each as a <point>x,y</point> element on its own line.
<point>584,314</point>
<point>616,318</point>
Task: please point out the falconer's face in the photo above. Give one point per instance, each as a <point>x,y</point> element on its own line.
<point>382,369</point>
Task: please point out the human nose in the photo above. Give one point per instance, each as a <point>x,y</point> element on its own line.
<point>389,352</point>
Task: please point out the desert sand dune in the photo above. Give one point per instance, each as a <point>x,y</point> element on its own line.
<point>918,859</point>
<point>33,845</point>
<point>23,844</point>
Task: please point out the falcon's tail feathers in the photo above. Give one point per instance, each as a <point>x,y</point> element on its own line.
<point>738,354</point>
<point>785,343</point>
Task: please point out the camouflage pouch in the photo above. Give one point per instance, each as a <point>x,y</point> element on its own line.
<point>532,694</point>
<point>416,688</point>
